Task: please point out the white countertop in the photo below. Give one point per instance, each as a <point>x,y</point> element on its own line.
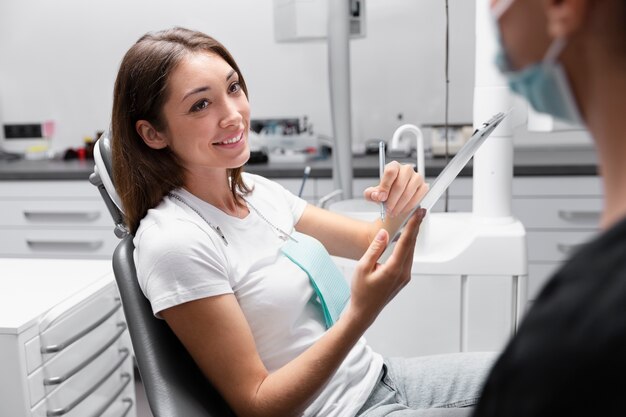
<point>31,287</point>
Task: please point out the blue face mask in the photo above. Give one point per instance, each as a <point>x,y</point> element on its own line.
<point>544,84</point>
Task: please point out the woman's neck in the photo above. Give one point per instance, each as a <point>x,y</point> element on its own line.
<point>215,190</point>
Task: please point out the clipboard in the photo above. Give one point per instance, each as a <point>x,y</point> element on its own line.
<point>449,173</point>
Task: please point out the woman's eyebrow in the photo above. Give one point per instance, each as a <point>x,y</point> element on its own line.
<point>206,87</point>
<point>196,91</point>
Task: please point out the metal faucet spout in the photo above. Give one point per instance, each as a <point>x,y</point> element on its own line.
<point>419,138</point>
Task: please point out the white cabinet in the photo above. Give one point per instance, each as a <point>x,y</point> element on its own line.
<point>560,214</point>
<point>54,219</point>
<point>64,349</point>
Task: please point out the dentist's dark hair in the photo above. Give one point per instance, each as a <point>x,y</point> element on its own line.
<point>143,175</point>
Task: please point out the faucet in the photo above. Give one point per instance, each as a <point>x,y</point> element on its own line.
<point>419,138</point>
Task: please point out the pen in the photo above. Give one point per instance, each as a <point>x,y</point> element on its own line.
<point>381,170</point>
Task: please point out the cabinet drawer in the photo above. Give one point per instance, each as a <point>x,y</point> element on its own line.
<point>63,326</point>
<point>60,190</point>
<point>555,246</point>
<point>84,243</point>
<point>32,353</point>
<point>77,356</point>
<point>558,213</point>
<point>35,213</point>
<point>545,213</point>
<point>569,186</point>
<point>93,390</point>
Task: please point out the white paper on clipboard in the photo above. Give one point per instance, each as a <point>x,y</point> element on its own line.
<point>449,173</point>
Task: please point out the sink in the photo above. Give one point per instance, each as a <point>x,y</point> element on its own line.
<point>357,208</point>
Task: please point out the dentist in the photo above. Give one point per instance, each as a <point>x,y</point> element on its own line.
<point>568,59</point>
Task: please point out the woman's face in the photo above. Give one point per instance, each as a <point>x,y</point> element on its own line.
<point>207,114</point>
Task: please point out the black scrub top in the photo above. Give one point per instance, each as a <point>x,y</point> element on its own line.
<point>569,355</point>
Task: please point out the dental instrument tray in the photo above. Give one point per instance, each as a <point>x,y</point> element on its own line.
<point>449,173</point>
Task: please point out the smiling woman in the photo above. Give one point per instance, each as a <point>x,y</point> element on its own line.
<point>239,267</point>
<point>141,93</point>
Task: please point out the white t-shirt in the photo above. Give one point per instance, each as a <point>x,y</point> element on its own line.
<point>180,258</point>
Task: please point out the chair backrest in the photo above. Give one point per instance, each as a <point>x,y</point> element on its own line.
<point>102,178</point>
<point>174,385</point>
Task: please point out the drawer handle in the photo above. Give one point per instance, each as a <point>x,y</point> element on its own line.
<point>129,407</point>
<point>62,216</point>
<point>60,346</point>
<point>59,379</point>
<point>105,406</point>
<point>80,245</point>
<point>574,216</point>
<point>568,249</point>
<point>93,388</point>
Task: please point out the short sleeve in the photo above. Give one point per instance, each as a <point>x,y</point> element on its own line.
<point>178,262</point>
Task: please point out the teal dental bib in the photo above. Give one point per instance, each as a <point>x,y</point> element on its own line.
<point>326,279</point>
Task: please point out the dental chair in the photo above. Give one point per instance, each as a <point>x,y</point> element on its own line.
<point>174,385</point>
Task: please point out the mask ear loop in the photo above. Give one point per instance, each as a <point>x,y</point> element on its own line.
<point>500,8</point>
<point>554,51</point>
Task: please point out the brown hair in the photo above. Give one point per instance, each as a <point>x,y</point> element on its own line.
<point>144,175</point>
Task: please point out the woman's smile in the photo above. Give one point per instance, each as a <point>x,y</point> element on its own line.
<point>231,142</point>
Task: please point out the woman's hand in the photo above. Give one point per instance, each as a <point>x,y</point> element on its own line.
<point>373,284</point>
<point>401,188</point>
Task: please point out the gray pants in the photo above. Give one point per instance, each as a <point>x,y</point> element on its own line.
<point>441,385</point>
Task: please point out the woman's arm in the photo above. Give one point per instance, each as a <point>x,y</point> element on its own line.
<point>401,188</point>
<point>216,334</point>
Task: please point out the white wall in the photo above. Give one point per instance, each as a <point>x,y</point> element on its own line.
<point>58,60</point>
